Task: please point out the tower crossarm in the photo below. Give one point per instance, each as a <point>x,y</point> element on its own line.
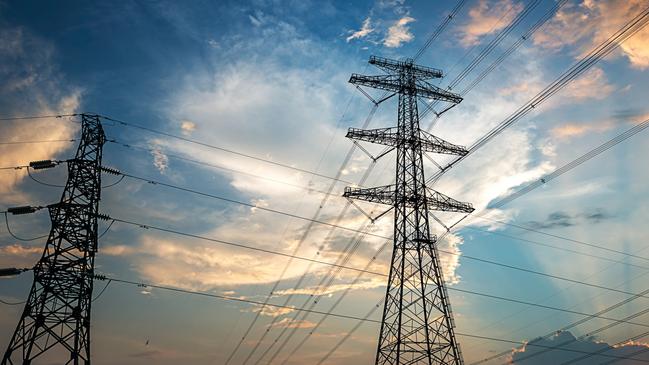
<point>441,202</point>
<point>407,65</point>
<point>394,83</point>
<point>431,143</point>
<point>380,194</point>
<point>429,91</point>
<point>383,82</point>
<point>391,137</point>
<point>387,195</point>
<point>384,136</point>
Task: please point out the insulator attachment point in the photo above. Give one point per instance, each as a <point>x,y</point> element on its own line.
<point>27,209</point>
<point>110,170</point>
<point>42,164</point>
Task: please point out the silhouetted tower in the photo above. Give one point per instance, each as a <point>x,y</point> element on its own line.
<point>56,317</point>
<point>417,325</point>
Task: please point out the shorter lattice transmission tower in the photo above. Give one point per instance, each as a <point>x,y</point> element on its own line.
<point>417,324</point>
<point>56,317</point>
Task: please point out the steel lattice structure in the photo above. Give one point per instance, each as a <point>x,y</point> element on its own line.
<point>56,317</point>
<point>417,325</point>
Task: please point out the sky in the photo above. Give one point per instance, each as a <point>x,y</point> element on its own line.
<point>269,79</point>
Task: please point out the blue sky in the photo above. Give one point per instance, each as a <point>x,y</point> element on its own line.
<point>269,79</point>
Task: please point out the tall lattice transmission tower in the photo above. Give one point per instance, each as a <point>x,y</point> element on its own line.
<point>56,317</point>
<point>417,325</point>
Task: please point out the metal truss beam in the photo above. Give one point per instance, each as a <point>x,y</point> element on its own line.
<point>391,137</point>
<point>391,83</point>
<point>388,195</point>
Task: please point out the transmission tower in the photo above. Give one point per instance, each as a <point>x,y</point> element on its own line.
<point>417,324</point>
<point>56,317</point>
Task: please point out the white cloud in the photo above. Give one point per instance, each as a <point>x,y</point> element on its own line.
<point>160,159</point>
<point>399,33</point>
<point>365,30</point>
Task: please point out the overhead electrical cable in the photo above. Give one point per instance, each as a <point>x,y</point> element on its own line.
<point>40,117</point>
<point>37,142</point>
<point>223,168</point>
<point>599,52</point>
<point>218,197</point>
<point>343,316</point>
<point>223,149</point>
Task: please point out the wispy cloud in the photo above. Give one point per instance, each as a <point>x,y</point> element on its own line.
<point>399,33</point>
<point>160,159</point>
<point>365,30</point>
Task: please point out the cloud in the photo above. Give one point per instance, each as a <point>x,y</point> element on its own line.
<point>590,23</point>
<point>32,85</point>
<point>560,219</point>
<point>160,159</point>
<point>568,130</point>
<point>365,30</point>
<point>581,347</point>
<point>288,323</point>
<point>592,84</point>
<point>201,266</point>
<point>554,220</point>
<point>19,255</point>
<point>331,289</point>
<point>487,17</point>
<point>187,127</point>
<point>574,129</point>
<point>270,311</point>
<point>399,33</point>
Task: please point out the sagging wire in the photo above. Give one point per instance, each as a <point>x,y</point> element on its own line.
<point>19,238</point>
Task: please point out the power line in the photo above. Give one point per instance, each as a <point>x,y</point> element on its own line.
<point>17,237</point>
<point>40,117</point>
<point>344,316</point>
<point>240,245</point>
<point>14,167</point>
<point>192,191</point>
<point>608,348</point>
<point>547,16</point>
<point>212,295</point>
<point>223,149</point>
<point>589,334</point>
<point>579,242</point>
<point>440,28</point>
<point>629,29</point>
<point>494,43</point>
<point>572,325</point>
<point>566,238</point>
<point>43,141</point>
<point>529,190</point>
<point>557,247</point>
<point>203,163</point>
<point>574,163</point>
<point>143,226</point>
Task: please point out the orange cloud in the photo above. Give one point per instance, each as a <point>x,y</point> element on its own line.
<point>593,21</point>
<point>486,18</point>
